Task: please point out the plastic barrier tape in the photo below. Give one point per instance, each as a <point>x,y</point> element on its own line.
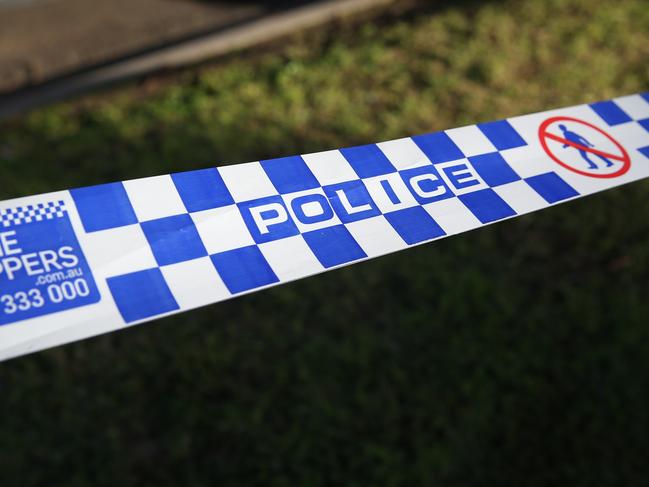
<point>87,261</point>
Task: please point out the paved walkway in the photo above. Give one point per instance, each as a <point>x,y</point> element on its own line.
<point>54,49</point>
<point>43,39</point>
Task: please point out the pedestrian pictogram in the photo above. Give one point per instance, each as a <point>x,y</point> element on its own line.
<point>583,148</point>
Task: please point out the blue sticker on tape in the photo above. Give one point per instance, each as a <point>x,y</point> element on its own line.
<point>42,267</point>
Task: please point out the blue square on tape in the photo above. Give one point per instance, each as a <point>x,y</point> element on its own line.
<point>644,123</point>
<point>645,95</point>
<point>243,269</point>
<point>141,294</point>
<point>501,134</point>
<point>368,160</point>
<point>267,219</point>
<point>202,189</point>
<point>461,175</point>
<point>103,206</point>
<point>351,201</point>
<point>610,112</point>
<point>486,205</point>
<point>333,246</point>
<point>289,174</point>
<point>414,225</point>
<point>438,147</point>
<point>551,187</point>
<point>173,239</point>
<point>644,151</point>
<point>42,267</point>
<point>425,184</point>
<point>493,169</point>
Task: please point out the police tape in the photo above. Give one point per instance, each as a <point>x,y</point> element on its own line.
<point>82,262</point>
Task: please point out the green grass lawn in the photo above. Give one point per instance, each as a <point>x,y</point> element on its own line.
<point>517,354</point>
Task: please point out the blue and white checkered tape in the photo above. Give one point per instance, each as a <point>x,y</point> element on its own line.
<point>86,261</point>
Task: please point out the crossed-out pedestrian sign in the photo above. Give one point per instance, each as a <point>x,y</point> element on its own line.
<point>583,147</point>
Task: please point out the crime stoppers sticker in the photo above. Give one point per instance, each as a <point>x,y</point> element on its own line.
<point>42,268</point>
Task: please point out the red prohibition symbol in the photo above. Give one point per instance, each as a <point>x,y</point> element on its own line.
<point>584,148</point>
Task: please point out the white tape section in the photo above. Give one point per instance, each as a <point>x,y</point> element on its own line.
<point>87,261</point>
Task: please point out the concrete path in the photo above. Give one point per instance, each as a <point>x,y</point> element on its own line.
<point>43,39</point>
<point>53,49</point>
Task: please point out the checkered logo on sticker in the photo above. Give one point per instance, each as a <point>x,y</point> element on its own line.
<point>31,213</point>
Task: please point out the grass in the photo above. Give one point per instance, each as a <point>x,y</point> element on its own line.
<point>515,354</point>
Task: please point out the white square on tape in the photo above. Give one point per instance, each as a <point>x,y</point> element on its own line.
<point>527,161</point>
<point>521,197</point>
<point>290,258</point>
<point>247,181</point>
<point>330,167</point>
<point>396,188</point>
<point>404,153</point>
<point>376,236</point>
<point>117,251</point>
<point>222,229</point>
<point>452,216</point>
<point>471,140</point>
<point>154,197</point>
<point>630,135</point>
<point>194,283</point>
